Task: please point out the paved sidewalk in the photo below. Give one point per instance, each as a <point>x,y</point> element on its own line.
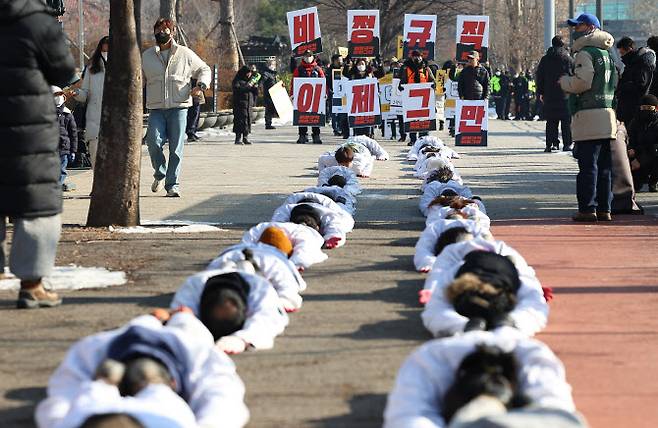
<point>340,354</point>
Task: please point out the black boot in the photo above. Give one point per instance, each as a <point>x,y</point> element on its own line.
<point>238,139</point>
<point>303,139</point>
<point>245,141</point>
<point>316,139</point>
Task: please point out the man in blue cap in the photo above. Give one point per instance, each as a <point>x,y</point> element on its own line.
<point>591,93</point>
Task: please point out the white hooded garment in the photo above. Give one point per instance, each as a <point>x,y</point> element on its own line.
<point>216,391</point>
<point>424,256</point>
<point>426,375</point>
<point>334,221</point>
<point>432,141</point>
<point>155,406</point>
<point>318,198</point>
<point>306,242</point>
<point>352,182</point>
<point>265,317</point>
<point>364,148</point>
<point>342,197</point>
<point>439,316</point>
<point>471,211</point>
<point>434,189</point>
<point>272,265</point>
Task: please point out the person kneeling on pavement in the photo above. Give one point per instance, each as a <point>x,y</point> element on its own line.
<point>643,144</point>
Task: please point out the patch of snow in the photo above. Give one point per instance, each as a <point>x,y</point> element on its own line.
<point>192,228</point>
<point>72,278</point>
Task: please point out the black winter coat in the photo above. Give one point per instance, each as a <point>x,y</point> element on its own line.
<point>473,83</point>
<point>68,132</point>
<point>268,79</point>
<point>244,99</point>
<point>643,138</point>
<point>634,83</point>
<point>34,57</point>
<point>555,64</point>
<point>520,88</point>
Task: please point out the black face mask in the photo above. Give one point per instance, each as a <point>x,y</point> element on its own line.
<point>418,59</point>
<point>162,38</point>
<point>648,115</point>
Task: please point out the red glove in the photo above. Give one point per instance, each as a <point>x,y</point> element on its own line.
<point>332,242</point>
<point>424,269</point>
<point>362,176</point>
<point>548,293</point>
<point>424,296</point>
<point>300,269</point>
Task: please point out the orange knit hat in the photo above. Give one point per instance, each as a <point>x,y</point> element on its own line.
<point>276,237</point>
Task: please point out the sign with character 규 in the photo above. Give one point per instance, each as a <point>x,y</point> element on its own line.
<point>309,101</point>
<point>304,29</point>
<point>471,123</point>
<point>472,35</point>
<point>363,107</point>
<point>419,35</point>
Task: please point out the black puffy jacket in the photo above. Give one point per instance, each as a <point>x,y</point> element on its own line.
<point>473,83</point>
<point>555,64</point>
<point>34,56</point>
<point>635,81</point>
<point>643,138</point>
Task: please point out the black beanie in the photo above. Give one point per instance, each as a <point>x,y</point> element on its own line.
<point>649,100</point>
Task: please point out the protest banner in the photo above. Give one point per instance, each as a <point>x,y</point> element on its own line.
<point>419,107</point>
<point>281,102</point>
<point>472,34</point>
<point>471,123</point>
<point>363,33</point>
<point>304,29</point>
<point>419,35</point>
<point>363,107</point>
<point>309,101</point>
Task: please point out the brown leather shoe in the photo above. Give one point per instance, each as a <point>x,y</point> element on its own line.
<point>37,297</point>
<point>603,216</point>
<point>585,217</point>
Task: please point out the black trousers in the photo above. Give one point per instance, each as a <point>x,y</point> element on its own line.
<point>193,114</point>
<point>303,130</point>
<point>552,132</point>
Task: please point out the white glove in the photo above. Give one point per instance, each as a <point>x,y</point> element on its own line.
<point>231,344</point>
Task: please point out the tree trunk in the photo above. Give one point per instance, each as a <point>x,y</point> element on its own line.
<point>168,9</point>
<point>228,50</point>
<point>138,22</point>
<point>115,191</point>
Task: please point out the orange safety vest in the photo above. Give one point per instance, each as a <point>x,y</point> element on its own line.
<point>422,73</point>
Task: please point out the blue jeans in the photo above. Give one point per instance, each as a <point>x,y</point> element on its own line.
<point>335,122</point>
<point>166,125</point>
<point>594,180</point>
<point>64,161</point>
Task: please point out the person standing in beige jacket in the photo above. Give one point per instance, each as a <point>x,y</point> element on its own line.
<point>167,68</point>
<point>593,126</point>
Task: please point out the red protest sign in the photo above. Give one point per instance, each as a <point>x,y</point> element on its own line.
<point>420,35</point>
<point>472,34</point>
<point>309,101</point>
<point>363,103</point>
<point>363,33</point>
<point>304,30</point>
<point>471,123</point>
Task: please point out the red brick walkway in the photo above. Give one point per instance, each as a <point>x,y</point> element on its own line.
<point>604,317</point>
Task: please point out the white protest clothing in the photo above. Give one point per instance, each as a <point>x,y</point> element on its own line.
<point>315,197</point>
<point>265,318</point>
<point>352,182</point>
<point>155,406</point>
<point>471,211</point>
<point>271,264</point>
<point>414,151</point>
<point>426,375</point>
<point>215,390</point>
<point>373,146</point>
<point>337,194</point>
<point>424,256</point>
<point>362,163</point>
<point>306,242</point>
<point>530,313</point>
<point>335,222</point>
<point>434,189</point>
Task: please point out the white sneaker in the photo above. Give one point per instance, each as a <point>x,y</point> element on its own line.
<point>174,192</point>
<point>157,185</point>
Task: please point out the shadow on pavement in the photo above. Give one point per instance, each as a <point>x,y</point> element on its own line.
<point>366,411</point>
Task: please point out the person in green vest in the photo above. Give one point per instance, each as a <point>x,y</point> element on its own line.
<point>496,93</point>
<point>591,93</point>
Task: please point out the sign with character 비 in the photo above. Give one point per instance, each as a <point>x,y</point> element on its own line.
<point>363,33</point>
<point>472,35</point>
<point>419,35</point>
<point>363,107</point>
<point>419,107</point>
<point>304,29</point>
<point>309,101</point>
<point>471,123</point>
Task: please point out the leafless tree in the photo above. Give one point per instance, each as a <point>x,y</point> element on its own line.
<point>115,191</point>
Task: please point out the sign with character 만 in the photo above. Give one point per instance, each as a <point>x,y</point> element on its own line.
<point>471,123</point>
<point>309,101</point>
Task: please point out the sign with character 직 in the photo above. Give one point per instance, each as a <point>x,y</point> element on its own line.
<point>363,107</point>
<point>471,123</point>
<point>309,101</point>
<point>304,29</point>
<point>472,35</point>
<point>363,33</point>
